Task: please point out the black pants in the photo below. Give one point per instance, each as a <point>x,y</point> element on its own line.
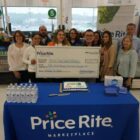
<point>32,77</point>
<point>23,79</point>
<point>124,83</point>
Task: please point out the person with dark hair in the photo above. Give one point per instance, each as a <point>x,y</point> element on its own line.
<point>59,39</point>
<point>73,38</point>
<point>107,55</point>
<point>29,56</point>
<point>127,62</point>
<point>89,37</point>
<point>15,56</point>
<point>44,35</point>
<point>97,40</point>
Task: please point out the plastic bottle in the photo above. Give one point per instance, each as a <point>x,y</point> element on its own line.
<point>18,94</point>
<point>23,94</point>
<point>8,94</point>
<point>13,91</point>
<point>34,95</point>
<point>28,95</point>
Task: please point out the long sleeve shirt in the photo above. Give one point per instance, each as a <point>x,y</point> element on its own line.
<point>108,56</point>
<point>15,56</point>
<point>136,45</point>
<point>127,63</point>
<point>29,55</point>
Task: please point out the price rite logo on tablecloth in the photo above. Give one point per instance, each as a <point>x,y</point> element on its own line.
<point>52,122</point>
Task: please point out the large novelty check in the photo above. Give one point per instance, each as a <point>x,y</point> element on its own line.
<point>67,62</point>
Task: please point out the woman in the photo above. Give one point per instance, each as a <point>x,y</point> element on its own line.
<point>15,56</point>
<point>107,55</point>
<point>74,38</point>
<point>97,40</point>
<point>29,57</point>
<point>127,62</point>
<point>59,39</point>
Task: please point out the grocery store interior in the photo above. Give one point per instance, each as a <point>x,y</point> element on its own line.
<point>28,15</point>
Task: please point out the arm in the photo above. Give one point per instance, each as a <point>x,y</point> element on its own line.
<point>138,49</point>
<point>26,57</point>
<point>133,64</point>
<point>112,57</point>
<point>117,62</point>
<point>11,62</point>
<point>10,58</point>
<point>119,46</point>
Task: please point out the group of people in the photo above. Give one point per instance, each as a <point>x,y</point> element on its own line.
<point>114,60</point>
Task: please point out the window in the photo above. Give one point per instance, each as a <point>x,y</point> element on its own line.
<point>30,18</point>
<point>84,18</point>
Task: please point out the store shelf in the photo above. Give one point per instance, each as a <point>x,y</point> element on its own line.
<point>6,78</point>
<point>3,59</point>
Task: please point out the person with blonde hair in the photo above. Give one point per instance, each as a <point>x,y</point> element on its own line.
<point>127,62</point>
<point>59,39</point>
<point>131,31</point>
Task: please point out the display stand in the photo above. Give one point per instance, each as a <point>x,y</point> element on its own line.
<point>5,76</point>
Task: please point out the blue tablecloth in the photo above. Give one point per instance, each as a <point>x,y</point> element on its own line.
<point>88,115</point>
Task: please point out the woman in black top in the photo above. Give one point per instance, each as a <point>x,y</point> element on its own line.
<point>74,37</point>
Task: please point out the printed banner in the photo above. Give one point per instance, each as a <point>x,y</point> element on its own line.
<point>115,19</point>
<point>67,62</point>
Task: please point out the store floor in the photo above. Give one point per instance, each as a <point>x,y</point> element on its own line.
<point>136,93</point>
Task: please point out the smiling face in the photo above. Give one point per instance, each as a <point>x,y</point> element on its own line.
<point>43,30</point>
<point>36,39</point>
<point>127,43</point>
<point>131,30</point>
<point>89,36</point>
<point>18,38</point>
<point>105,38</point>
<point>97,37</point>
<point>60,36</point>
<point>73,34</point>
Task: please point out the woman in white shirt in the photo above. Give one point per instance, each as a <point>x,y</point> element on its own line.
<point>29,57</point>
<point>15,56</point>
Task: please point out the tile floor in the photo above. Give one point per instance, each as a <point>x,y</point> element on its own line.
<point>136,93</point>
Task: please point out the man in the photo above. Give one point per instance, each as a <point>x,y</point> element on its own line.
<point>131,29</point>
<point>44,34</point>
<point>89,38</point>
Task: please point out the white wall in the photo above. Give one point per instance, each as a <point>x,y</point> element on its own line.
<point>84,3</point>
<point>75,3</point>
<point>65,11</point>
<point>31,3</point>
